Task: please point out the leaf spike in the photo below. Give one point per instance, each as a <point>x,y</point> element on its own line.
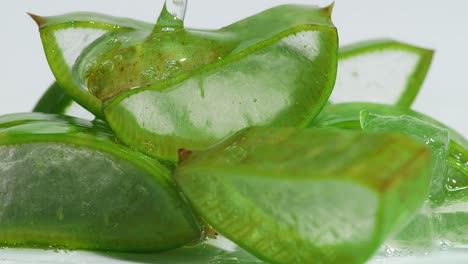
<point>329,9</point>
<point>40,21</point>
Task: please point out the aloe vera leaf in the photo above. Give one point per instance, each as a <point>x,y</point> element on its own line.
<point>66,183</point>
<point>436,138</point>
<point>446,212</point>
<point>347,115</point>
<point>197,110</point>
<point>56,101</point>
<point>283,194</point>
<point>381,71</point>
<point>141,59</point>
<point>65,37</point>
<point>419,233</point>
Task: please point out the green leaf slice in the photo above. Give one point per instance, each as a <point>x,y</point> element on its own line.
<point>198,109</point>
<point>347,115</point>
<point>65,38</point>
<point>436,138</point>
<point>56,101</point>
<point>449,211</point>
<point>381,71</point>
<point>65,182</point>
<point>284,194</point>
<point>449,187</point>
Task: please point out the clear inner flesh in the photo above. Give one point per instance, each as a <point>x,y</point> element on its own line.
<point>53,194</point>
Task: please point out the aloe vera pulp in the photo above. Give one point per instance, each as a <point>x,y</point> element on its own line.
<point>284,194</point>
<point>197,109</point>
<point>65,182</point>
<point>444,212</point>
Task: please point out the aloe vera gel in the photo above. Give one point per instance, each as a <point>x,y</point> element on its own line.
<point>66,183</point>
<point>251,132</point>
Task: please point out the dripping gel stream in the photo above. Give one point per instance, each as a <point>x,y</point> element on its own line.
<point>119,61</point>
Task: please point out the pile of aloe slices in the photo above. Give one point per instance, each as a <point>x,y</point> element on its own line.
<point>250,144</point>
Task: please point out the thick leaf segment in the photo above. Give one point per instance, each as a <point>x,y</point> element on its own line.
<point>445,214</point>
<point>280,73</point>
<point>348,116</point>
<point>66,37</point>
<point>66,183</point>
<point>284,194</point>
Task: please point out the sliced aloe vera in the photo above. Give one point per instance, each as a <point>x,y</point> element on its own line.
<point>381,71</point>
<point>436,138</point>
<point>419,233</point>
<point>447,214</point>
<point>64,182</point>
<point>447,210</point>
<point>307,196</point>
<point>66,37</point>
<point>348,116</point>
<point>411,123</point>
<point>282,75</point>
<point>56,101</point>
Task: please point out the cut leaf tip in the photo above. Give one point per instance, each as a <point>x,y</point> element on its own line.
<point>40,21</point>
<point>329,9</point>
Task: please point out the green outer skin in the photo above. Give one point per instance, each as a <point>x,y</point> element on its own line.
<point>272,25</point>
<point>54,101</point>
<point>32,128</point>
<point>415,79</point>
<point>348,116</point>
<point>63,73</point>
<point>278,220</point>
<point>269,25</point>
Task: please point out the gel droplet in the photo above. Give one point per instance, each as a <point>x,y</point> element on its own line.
<point>89,69</point>
<point>177,8</point>
<point>173,64</point>
<point>235,154</point>
<point>444,246</point>
<point>107,66</point>
<point>172,16</point>
<point>113,41</point>
<point>149,74</point>
<point>389,251</point>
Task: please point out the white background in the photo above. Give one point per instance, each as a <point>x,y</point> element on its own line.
<point>439,25</point>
